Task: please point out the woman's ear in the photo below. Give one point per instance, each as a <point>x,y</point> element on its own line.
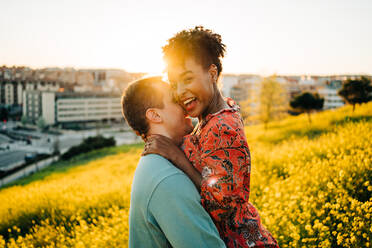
<point>153,116</point>
<point>213,72</point>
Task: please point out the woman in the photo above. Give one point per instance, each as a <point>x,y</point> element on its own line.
<point>217,149</point>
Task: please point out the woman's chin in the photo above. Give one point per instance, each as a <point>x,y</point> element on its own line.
<point>195,113</point>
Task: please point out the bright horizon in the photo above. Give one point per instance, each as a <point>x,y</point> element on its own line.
<point>261,37</point>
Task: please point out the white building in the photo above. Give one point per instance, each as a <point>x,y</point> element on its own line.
<point>330,94</point>
<point>231,82</point>
<point>247,88</point>
<point>10,93</point>
<point>67,107</point>
<point>228,81</point>
<point>48,86</point>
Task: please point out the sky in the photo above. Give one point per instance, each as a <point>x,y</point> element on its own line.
<point>262,36</point>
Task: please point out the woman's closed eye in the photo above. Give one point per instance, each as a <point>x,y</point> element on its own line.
<point>188,80</point>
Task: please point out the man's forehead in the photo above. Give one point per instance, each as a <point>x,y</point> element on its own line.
<point>164,87</point>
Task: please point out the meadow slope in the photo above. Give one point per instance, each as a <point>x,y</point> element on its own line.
<point>311,183</point>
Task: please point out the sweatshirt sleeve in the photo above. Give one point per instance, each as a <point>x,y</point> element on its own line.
<point>175,205</point>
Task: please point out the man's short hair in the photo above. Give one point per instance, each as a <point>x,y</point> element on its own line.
<point>198,43</point>
<point>139,96</point>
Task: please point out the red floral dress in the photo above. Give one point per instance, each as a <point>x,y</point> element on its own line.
<point>218,149</point>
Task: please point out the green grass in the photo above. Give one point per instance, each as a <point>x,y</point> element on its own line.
<point>294,127</point>
<point>62,166</point>
<point>311,184</point>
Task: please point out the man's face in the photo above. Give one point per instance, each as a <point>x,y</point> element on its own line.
<point>174,118</point>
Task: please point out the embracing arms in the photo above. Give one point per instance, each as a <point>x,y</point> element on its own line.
<point>225,159</point>
<point>164,146</point>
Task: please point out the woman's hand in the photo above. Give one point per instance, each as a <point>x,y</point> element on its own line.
<point>164,146</point>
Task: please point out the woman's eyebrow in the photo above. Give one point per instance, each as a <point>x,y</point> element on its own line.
<point>184,73</point>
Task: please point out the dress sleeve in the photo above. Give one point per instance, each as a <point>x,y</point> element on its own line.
<point>225,160</point>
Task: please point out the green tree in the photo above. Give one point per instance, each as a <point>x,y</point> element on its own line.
<point>307,102</point>
<point>56,146</point>
<point>41,123</point>
<point>356,91</point>
<point>24,120</point>
<point>248,110</point>
<point>272,100</point>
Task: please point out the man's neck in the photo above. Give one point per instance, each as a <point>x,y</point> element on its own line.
<point>160,130</point>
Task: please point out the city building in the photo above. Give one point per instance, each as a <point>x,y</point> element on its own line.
<point>228,81</point>
<point>240,92</point>
<point>246,88</point>
<point>330,94</point>
<point>32,105</point>
<point>59,108</point>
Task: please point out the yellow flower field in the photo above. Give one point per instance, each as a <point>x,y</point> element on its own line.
<point>312,185</point>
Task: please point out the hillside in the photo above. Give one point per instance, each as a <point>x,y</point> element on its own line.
<point>311,184</point>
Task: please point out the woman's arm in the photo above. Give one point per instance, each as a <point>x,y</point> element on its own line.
<point>163,146</point>
<point>225,160</point>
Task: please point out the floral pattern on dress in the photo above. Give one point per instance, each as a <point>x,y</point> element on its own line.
<point>218,149</point>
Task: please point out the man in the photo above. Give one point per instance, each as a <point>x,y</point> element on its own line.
<point>165,206</point>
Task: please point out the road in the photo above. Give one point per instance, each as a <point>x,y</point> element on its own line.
<point>45,144</point>
<point>4,139</point>
<point>8,158</point>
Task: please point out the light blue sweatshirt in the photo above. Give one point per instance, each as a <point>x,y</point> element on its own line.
<point>165,209</point>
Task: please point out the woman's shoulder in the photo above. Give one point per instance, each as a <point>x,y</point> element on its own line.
<point>227,119</point>
<point>228,116</point>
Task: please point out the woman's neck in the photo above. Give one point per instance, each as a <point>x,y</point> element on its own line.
<point>216,104</point>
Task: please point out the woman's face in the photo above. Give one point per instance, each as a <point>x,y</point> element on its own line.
<point>192,86</point>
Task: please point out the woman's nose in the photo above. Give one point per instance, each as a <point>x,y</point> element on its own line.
<point>180,90</point>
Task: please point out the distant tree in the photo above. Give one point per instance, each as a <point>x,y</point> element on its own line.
<point>356,91</point>
<point>24,120</point>
<point>307,102</point>
<point>246,110</point>
<point>56,146</point>
<point>41,123</point>
<point>272,100</point>
<point>89,144</point>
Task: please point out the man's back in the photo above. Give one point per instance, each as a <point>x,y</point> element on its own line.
<point>165,209</point>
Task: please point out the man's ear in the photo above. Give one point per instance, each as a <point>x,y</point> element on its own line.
<point>152,115</point>
<point>213,72</point>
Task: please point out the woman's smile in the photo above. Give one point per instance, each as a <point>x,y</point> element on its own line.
<point>190,104</point>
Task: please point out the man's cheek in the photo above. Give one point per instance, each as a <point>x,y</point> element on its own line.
<point>188,126</point>
<point>188,122</point>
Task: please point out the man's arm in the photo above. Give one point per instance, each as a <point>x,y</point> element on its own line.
<point>175,204</point>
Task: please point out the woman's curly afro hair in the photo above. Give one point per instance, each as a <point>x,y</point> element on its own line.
<point>199,43</point>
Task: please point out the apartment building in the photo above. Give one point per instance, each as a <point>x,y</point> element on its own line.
<point>330,94</point>
<point>67,107</point>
